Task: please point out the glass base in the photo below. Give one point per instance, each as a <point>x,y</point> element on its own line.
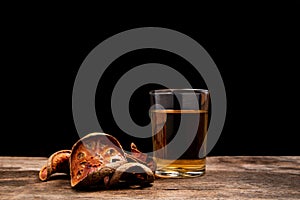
<point>178,173</point>
<point>180,168</point>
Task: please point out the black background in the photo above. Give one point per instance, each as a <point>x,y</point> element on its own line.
<point>256,52</point>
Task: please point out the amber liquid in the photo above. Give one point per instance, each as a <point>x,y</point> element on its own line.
<point>175,160</point>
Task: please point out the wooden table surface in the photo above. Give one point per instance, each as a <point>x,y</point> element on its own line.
<point>227,177</point>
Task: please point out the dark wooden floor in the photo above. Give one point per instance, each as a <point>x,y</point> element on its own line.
<point>234,177</point>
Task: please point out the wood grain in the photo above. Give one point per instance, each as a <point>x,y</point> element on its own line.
<point>227,177</point>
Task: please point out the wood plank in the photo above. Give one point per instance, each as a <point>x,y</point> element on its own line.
<point>227,177</point>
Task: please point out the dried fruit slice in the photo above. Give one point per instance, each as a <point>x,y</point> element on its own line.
<point>140,157</point>
<point>58,162</point>
<point>94,157</point>
<point>137,153</point>
<point>130,174</point>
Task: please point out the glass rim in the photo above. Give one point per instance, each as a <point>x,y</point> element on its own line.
<point>179,90</point>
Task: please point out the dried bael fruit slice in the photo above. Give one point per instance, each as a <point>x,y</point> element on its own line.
<point>138,156</point>
<point>131,174</point>
<point>58,162</point>
<point>98,160</point>
<point>94,158</point>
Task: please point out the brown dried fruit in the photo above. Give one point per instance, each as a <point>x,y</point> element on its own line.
<point>98,160</point>
<point>132,174</point>
<point>58,162</point>
<point>94,157</point>
<point>141,157</point>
